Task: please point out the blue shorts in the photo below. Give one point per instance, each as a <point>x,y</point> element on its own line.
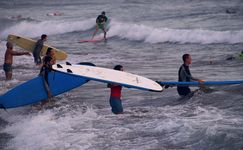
<point>116,105</point>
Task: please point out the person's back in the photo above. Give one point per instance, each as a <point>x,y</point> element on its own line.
<point>115,96</point>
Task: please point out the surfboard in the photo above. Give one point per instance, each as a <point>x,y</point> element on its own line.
<point>34,91</point>
<point>215,83</point>
<point>29,45</point>
<point>110,76</point>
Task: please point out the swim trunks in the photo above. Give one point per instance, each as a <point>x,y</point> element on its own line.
<point>7,67</point>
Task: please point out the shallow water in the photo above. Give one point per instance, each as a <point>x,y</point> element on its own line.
<point>148,38</point>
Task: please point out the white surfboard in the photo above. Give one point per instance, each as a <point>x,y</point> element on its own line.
<point>110,76</point>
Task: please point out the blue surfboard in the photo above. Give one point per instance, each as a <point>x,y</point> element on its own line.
<point>172,83</point>
<point>34,90</point>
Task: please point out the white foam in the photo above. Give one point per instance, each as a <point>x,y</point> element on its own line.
<point>47,131</point>
<point>140,32</point>
<point>129,31</point>
<point>35,29</point>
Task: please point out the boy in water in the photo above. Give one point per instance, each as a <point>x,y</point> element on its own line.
<point>8,59</point>
<point>37,49</point>
<point>184,75</point>
<point>101,21</point>
<point>115,97</point>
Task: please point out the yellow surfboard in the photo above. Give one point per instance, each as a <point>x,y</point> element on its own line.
<point>29,45</point>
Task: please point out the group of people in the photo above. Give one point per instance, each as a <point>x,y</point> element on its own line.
<point>184,74</point>
<point>45,64</point>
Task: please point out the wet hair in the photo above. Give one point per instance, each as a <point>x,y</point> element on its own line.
<point>118,67</point>
<point>47,59</point>
<point>43,36</point>
<point>49,49</point>
<point>185,56</point>
<point>103,13</point>
<point>9,45</point>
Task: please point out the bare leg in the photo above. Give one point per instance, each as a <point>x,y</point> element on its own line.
<point>104,33</point>
<point>8,75</point>
<point>96,30</point>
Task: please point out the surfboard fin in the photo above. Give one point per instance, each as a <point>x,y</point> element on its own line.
<point>69,71</point>
<point>68,63</point>
<point>87,63</point>
<point>59,66</point>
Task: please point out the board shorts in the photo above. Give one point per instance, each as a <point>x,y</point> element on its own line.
<point>116,105</point>
<point>100,26</point>
<point>7,67</point>
<point>183,91</point>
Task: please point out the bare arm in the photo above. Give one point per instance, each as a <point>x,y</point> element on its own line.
<point>15,53</point>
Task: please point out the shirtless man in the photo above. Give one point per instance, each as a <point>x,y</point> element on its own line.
<point>8,60</point>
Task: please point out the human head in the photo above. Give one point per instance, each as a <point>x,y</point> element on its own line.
<point>118,67</point>
<point>49,50</point>
<point>9,45</point>
<point>187,59</point>
<point>103,13</point>
<point>44,37</point>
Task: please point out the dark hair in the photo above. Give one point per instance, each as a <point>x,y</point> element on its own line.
<point>185,56</point>
<point>43,36</point>
<point>47,59</point>
<point>49,49</point>
<point>9,45</point>
<point>118,67</point>
<point>103,13</point>
<point>241,52</point>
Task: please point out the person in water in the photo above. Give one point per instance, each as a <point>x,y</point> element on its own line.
<point>240,56</point>
<point>8,59</point>
<point>37,49</point>
<point>101,21</point>
<point>46,68</point>
<point>115,96</point>
<point>184,75</point>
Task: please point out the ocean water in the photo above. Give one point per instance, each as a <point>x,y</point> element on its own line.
<point>147,37</point>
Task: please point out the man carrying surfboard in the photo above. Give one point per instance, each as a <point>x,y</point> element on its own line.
<point>37,49</point>
<point>8,59</point>
<point>184,75</point>
<point>101,21</point>
<point>115,96</point>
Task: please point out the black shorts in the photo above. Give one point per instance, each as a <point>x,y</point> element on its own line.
<point>7,67</point>
<point>183,91</point>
